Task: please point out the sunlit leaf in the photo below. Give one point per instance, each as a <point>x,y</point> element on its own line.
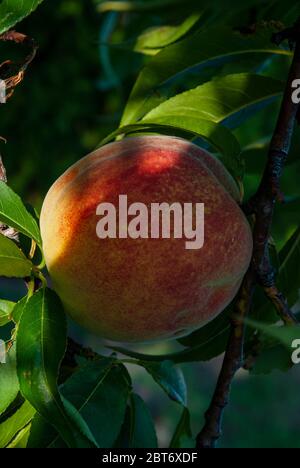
<point>210,46</point>
<point>154,39</point>
<point>21,439</point>
<point>136,5</point>
<point>227,99</point>
<point>11,426</point>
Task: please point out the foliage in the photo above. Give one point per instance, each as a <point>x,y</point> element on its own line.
<point>205,74</point>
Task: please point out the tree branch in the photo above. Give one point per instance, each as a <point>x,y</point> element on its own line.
<point>261,271</point>
<point>233,361</point>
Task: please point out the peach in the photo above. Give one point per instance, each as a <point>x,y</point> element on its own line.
<point>136,290</point>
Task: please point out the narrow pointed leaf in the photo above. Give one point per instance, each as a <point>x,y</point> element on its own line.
<point>41,344</point>
<point>183,437</point>
<point>13,11</point>
<point>21,439</point>
<point>19,309</point>
<point>99,391</point>
<point>170,378</point>
<point>228,99</point>
<point>11,426</point>
<point>13,263</point>
<point>221,45</point>
<point>9,384</point>
<point>14,213</point>
<point>151,41</point>
<point>284,335</point>
<point>136,5</point>
<point>138,430</point>
<point>6,308</point>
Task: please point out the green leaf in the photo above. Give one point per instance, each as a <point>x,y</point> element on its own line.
<point>84,436</point>
<point>99,391</point>
<point>6,308</point>
<point>14,214</point>
<point>284,335</point>
<point>13,262</point>
<point>216,329</point>
<point>154,39</point>
<point>43,435</point>
<point>41,344</point>
<point>13,425</point>
<point>289,258</point>
<point>183,437</point>
<point>198,353</point>
<point>203,345</point>
<point>170,378</point>
<point>276,346</point>
<point>19,309</point>
<point>226,99</point>
<point>286,221</point>
<point>21,439</point>
<point>9,384</point>
<point>272,356</point>
<point>217,135</point>
<point>13,11</point>
<point>136,5</point>
<point>225,46</point>
<point>138,430</point>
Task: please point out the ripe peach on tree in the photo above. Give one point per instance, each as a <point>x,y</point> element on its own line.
<point>144,289</point>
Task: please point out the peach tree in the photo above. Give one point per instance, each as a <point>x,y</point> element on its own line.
<point>203,79</point>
